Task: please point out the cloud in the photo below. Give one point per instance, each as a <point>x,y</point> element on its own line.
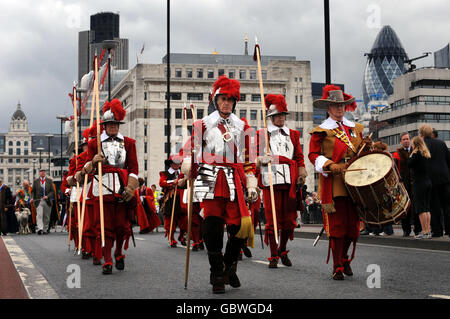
<point>38,64</point>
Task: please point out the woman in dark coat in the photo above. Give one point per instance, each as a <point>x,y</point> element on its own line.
<point>419,162</point>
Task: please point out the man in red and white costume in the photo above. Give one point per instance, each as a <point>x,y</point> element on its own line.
<point>288,171</point>
<point>120,180</point>
<point>168,180</point>
<point>332,145</point>
<point>222,172</point>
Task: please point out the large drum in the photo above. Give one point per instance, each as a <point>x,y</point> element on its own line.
<point>379,195</point>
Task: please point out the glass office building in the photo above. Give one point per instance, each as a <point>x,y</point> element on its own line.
<point>385,62</point>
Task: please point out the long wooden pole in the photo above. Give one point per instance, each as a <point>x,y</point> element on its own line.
<point>190,187</point>
<point>75,121</point>
<point>99,152</point>
<point>269,165</point>
<point>83,205</point>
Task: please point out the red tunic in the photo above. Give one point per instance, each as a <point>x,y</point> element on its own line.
<point>146,222</point>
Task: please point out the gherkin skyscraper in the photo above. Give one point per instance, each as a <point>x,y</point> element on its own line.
<point>385,62</point>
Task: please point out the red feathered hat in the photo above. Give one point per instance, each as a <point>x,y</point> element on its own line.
<point>175,158</point>
<point>228,87</point>
<point>275,104</point>
<point>113,112</point>
<point>332,94</point>
<point>85,136</point>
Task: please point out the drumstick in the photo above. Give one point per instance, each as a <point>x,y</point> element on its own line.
<point>363,146</point>
<point>349,170</point>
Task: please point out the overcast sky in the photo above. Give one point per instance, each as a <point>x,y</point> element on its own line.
<point>38,56</point>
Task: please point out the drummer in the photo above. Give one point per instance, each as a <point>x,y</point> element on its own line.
<point>333,143</point>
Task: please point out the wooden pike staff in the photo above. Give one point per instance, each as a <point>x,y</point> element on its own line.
<point>75,121</point>
<point>83,205</point>
<point>190,187</point>
<point>99,151</point>
<point>257,57</point>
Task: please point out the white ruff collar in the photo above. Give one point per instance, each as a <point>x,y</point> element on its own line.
<point>330,124</point>
<point>105,136</point>
<point>213,119</point>
<point>171,170</point>
<point>271,128</point>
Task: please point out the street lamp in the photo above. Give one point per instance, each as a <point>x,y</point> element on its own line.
<point>49,137</point>
<point>40,149</point>
<point>108,45</point>
<point>62,118</point>
<point>34,162</point>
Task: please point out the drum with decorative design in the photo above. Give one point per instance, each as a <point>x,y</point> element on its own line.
<point>375,187</point>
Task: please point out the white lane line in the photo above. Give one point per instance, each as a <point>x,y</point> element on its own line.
<point>34,282</point>
<point>137,238</point>
<point>440,296</point>
<point>388,246</point>
<point>266,263</point>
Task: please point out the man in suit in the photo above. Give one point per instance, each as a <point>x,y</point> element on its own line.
<point>401,156</point>
<point>41,195</point>
<point>440,179</point>
<point>6,206</point>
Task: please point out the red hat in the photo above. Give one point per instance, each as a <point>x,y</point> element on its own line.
<point>85,136</point>
<point>113,111</point>
<point>275,104</point>
<point>333,94</point>
<point>228,87</point>
<point>93,129</point>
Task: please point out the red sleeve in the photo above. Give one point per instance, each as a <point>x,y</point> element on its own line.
<point>163,181</point>
<point>298,154</point>
<point>92,149</point>
<point>315,146</point>
<point>132,162</point>
<point>81,160</point>
<point>72,168</point>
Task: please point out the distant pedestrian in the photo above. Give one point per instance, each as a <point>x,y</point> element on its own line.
<point>419,162</point>
<point>440,179</point>
<point>41,195</point>
<point>8,221</point>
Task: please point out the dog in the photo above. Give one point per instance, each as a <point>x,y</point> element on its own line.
<point>22,219</point>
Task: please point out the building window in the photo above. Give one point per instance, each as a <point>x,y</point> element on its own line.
<point>210,74</point>
<point>242,74</point>
<point>17,151</point>
<point>178,113</point>
<point>300,130</point>
<point>253,114</point>
<point>200,113</point>
<point>296,99</point>
<point>145,165</point>
<point>195,96</point>
<point>231,74</point>
<point>178,73</point>
<point>18,143</point>
<point>221,72</point>
<point>252,74</point>
<point>10,151</point>
<point>189,73</point>
<point>264,74</point>
<point>145,147</point>
<point>178,130</point>
<point>242,113</point>
<point>199,73</point>
<point>25,160</point>
<point>18,160</point>
<point>145,113</point>
<point>10,143</point>
<point>243,97</point>
<point>145,96</point>
<point>174,96</point>
<point>145,130</point>
<point>301,99</point>
<point>256,97</point>
<point>25,151</point>
<point>10,160</point>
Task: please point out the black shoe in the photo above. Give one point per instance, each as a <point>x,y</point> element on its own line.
<point>39,232</point>
<point>338,275</point>
<point>347,269</point>
<point>95,261</point>
<point>201,246</point>
<point>406,234</point>
<point>247,252</point>
<point>364,232</point>
<point>195,248</point>
<point>285,259</point>
<point>85,255</point>
<point>437,235</point>
<point>120,264</point>
<point>107,269</point>
<point>273,262</point>
<point>218,283</point>
<point>230,276</point>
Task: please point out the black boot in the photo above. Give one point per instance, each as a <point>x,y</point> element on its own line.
<point>120,262</point>
<point>217,281</point>
<point>231,277</point>
<point>337,274</point>
<point>247,252</point>
<point>107,269</point>
<point>284,258</point>
<point>347,269</point>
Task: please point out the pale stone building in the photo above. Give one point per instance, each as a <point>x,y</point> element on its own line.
<point>143,93</point>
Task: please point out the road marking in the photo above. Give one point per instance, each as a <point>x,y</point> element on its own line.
<point>393,247</point>
<point>137,238</point>
<point>34,282</point>
<point>266,263</point>
<point>440,296</point>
